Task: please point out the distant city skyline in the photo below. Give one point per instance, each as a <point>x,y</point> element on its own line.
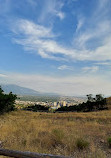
<point>59,46</point>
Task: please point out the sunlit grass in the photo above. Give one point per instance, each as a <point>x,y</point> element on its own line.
<point>57,133</point>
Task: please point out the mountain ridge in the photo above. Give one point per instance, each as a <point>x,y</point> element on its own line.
<point>19,90</point>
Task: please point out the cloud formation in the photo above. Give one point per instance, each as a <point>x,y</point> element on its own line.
<point>91,69</point>
<point>65,67</point>
<point>91,39</point>
<point>103,63</point>
<point>51,10</point>
<point>41,39</point>
<point>3,75</point>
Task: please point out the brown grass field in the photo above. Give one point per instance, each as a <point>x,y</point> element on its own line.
<point>80,135</point>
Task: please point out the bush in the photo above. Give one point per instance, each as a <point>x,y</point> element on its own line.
<point>81,143</point>
<point>109,141</point>
<point>37,108</point>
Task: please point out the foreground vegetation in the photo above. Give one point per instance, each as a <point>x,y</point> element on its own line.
<point>82,135</point>
<point>6,101</point>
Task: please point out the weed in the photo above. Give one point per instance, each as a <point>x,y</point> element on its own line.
<point>81,143</point>
<point>109,141</point>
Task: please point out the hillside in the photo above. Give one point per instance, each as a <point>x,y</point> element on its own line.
<point>78,135</point>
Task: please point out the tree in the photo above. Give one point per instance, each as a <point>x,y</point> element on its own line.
<point>96,103</point>
<point>100,101</point>
<point>6,101</point>
<point>90,98</point>
<point>36,108</point>
<point>99,97</point>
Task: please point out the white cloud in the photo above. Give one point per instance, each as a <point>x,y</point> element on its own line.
<point>92,44</point>
<point>38,38</point>
<point>93,30</point>
<point>30,29</point>
<point>90,69</point>
<point>51,9</point>
<point>99,32</point>
<point>42,41</point>
<point>65,67</point>
<point>3,75</point>
<point>61,15</point>
<point>80,23</point>
<point>103,63</point>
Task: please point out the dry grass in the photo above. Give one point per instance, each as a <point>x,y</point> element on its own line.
<point>57,133</point>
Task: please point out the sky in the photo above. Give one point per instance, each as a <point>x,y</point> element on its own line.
<point>60,46</point>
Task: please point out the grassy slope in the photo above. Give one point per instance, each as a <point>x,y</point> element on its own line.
<point>57,133</point>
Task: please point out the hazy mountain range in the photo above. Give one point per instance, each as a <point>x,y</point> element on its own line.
<point>24,91</point>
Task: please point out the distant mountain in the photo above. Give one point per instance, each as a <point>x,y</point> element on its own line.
<point>23,91</point>
<point>18,90</point>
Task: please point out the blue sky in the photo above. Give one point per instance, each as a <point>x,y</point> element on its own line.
<point>61,46</point>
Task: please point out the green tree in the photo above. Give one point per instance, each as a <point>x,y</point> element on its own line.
<point>7,101</point>
<point>90,98</point>
<point>100,101</point>
<point>99,97</point>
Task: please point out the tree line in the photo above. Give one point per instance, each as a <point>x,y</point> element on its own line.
<point>92,104</point>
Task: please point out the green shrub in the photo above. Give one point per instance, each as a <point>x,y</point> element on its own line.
<point>81,143</point>
<point>109,141</point>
